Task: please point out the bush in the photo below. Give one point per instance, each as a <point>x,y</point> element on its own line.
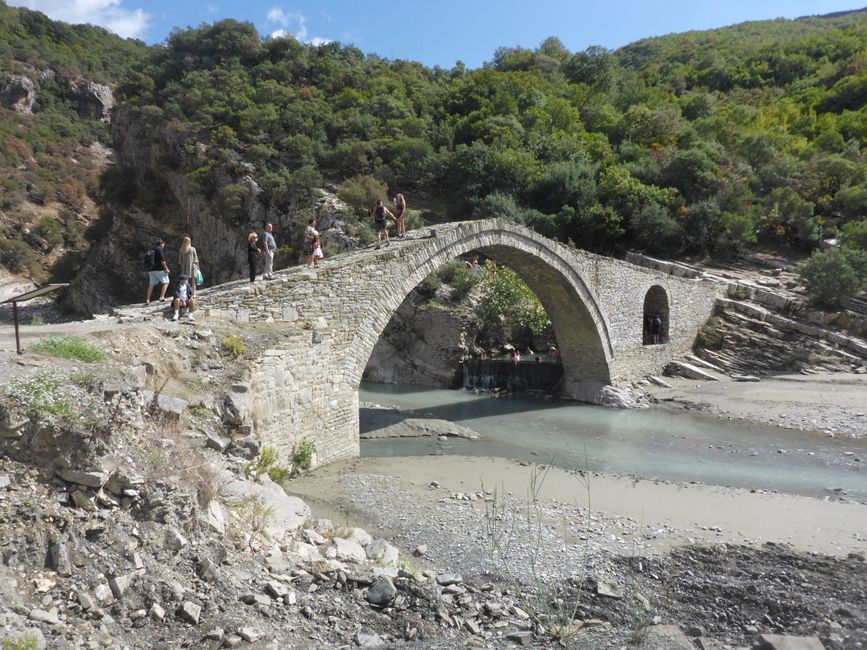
<point>68,347</point>
<point>361,193</point>
<point>855,234</point>
<point>18,257</point>
<point>509,298</point>
<point>458,277</point>
<point>655,229</point>
<point>234,346</point>
<point>833,275</point>
<point>266,463</point>
<point>302,456</point>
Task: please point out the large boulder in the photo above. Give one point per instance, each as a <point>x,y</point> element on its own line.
<point>18,94</point>
<point>94,100</point>
<point>286,514</point>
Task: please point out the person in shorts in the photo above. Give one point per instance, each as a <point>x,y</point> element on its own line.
<point>269,248</point>
<point>400,215</point>
<point>158,273</point>
<point>183,298</point>
<point>381,215</point>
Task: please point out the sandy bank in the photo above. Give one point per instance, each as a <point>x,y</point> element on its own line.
<point>835,403</point>
<point>660,514</point>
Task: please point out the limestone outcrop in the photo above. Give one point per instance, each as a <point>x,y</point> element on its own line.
<point>94,101</point>
<point>18,94</point>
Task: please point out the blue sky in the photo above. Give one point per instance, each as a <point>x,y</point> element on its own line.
<point>435,32</point>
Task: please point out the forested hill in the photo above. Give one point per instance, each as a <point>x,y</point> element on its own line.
<point>699,142</point>
<point>690,142</point>
<point>55,92</point>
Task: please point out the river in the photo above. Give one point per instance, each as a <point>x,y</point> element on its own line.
<point>651,443</point>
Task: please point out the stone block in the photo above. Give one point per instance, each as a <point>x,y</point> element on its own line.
<point>784,642</point>
<point>189,612</point>
<point>665,637</point>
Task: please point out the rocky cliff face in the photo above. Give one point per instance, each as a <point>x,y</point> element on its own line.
<point>112,273</point>
<point>92,100</point>
<point>423,344</point>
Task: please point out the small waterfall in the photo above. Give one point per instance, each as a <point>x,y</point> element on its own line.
<point>494,374</point>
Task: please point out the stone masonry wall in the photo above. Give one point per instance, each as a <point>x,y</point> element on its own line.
<point>332,318</point>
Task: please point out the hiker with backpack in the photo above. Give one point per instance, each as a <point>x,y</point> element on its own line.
<point>380,215</point>
<point>158,270</point>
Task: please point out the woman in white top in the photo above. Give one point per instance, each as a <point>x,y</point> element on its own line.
<point>188,261</point>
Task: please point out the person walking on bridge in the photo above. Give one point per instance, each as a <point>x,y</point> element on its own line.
<point>253,253</point>
<point>269,247</point>
<point>380,215</point>
<point>310,235</point>
<point>400,215</point>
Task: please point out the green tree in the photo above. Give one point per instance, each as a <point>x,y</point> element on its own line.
<point>507,298</point>
<point>833,275</point>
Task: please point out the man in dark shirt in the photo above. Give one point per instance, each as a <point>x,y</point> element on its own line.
<point>158,273</point>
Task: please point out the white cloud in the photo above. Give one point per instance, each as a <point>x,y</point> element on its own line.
<point>129,23</point>
<point>295,24</point>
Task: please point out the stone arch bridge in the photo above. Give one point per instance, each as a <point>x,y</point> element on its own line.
<point>330,320</point>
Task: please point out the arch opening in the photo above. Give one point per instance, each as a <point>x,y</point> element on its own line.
<point>584,345</point>
<point>473,324</point>
<point>655,320</point>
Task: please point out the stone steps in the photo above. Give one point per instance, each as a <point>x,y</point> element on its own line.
<point>740,342</point>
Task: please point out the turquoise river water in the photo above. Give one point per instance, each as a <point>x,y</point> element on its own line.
<point>650,443</point>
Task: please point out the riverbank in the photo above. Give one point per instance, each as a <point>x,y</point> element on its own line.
<point>833,403</point>
<point>790,563</point>
<point>417,496</point>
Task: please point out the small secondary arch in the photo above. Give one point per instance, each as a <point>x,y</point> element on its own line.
<point>656,314</point>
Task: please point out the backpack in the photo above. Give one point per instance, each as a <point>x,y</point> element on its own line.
<point>148,259</point>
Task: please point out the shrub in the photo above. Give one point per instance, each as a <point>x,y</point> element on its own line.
<point>832,275</point>
<point>234,346</point>
<point>17,256</point>
<point>51,231</point>
<point>266,463</point>
<point>509,298</point>
<point>362,192</point>
<point>68,347</point>
<point>457,276</point>
<point>462,283</point>
<point>302,456</point>
<point>855,234</point>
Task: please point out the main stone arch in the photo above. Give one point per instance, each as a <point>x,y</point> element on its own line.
<point>326,323</point>
<point>578,322</point>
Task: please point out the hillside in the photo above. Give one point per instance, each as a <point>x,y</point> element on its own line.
<point>55,98</point>
<point>690,144</point>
